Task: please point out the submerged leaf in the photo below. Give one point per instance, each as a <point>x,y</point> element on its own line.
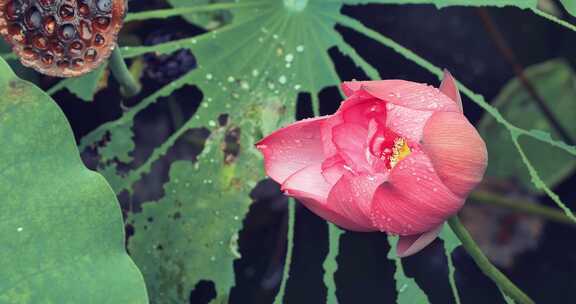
<point>408,291</point>
<point>191,234</point>
<point>555,81</point>
<point>570,6</point>
<point>86,86</point>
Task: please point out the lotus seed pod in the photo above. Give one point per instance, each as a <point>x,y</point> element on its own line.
<point>63,38</point>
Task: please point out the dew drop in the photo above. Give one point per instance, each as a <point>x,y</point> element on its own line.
<point>289,57</point>
<point>300,48</point>
<point>282,79</point>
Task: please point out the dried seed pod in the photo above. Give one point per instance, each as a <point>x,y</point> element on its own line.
<point>62,38</point>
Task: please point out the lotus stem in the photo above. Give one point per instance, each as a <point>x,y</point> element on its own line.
<point>507,286</point>
<point>130,86</point>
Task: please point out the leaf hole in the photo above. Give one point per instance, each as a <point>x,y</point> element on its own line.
<point>304,106</point>
<point>177,215</point>
<point>231,145</point>
<point>223,119</point>
<point>203,293</point>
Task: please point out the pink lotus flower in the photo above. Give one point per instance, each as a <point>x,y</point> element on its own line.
<point>398,157</point>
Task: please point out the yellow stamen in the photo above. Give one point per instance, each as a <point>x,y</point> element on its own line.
<point>399,151</point>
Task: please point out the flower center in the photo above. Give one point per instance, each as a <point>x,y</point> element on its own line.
<point>399,151</point>
<point>389,147</point>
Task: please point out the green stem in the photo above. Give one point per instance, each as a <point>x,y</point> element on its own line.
<point>180,11</point>
<point>330,264</point>
<point>523,206</point>
<point>289,245</point>
<point>484,264</point>
<point>120,71</point>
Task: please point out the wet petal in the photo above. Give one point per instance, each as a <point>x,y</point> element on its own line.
<point>333,169</point>
<point>350,87</point>
<point>309,187</point>
<point>308,182</point>
<point>292,148</point>
<point>414,199</point>
<point>362,112</point>
<point>350,141</point>
<point>411,244</point>
<point>352,196</point>
<point>413,95</point>
<point>407,122</point>
<point>449,87</point>
<point>457,151</point>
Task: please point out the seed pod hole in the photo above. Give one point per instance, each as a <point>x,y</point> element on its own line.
<point>78,63</point>
<point>90,55</point>
<point>62,37</point>
<point>29,54</point>
<point>67,32</point>
<point>47,3</point>
<point>76,47</point>
<point>47,59</point>
<point>49,25</point>
<point>104,6</point>
<point>12,11</point>
<point>34,19</point>
<point>63,64</point>
<point>40,42</point>
<point>102,23</point>
<point>85,30</point>
<point>99,40</point>
<point>66,12</point>
<point>84,10</point>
